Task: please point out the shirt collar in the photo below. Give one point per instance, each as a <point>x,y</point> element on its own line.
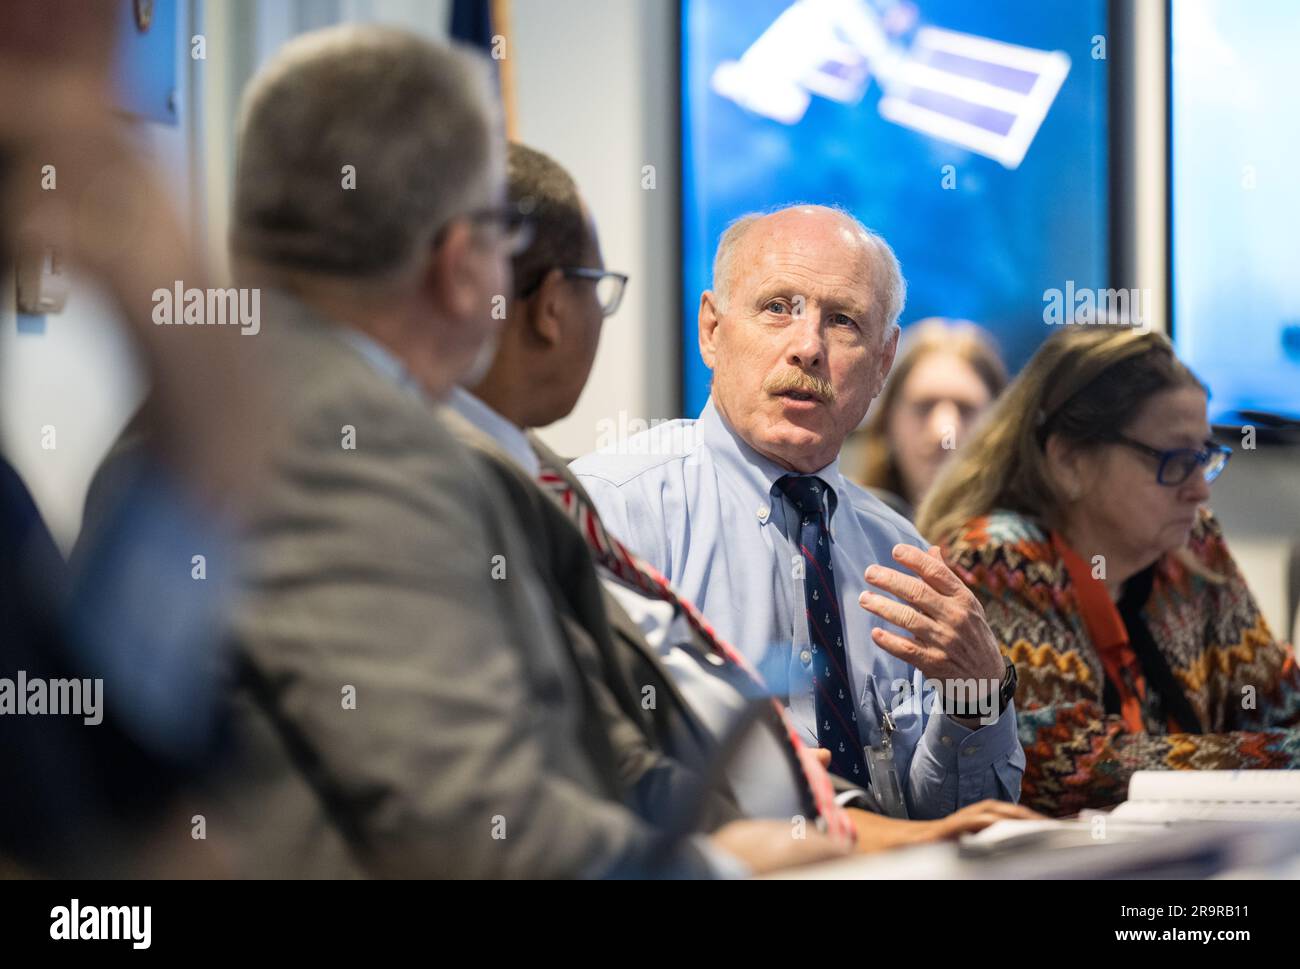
<point>759,473</point>
<point>511,438</point>
<point>381,359</point>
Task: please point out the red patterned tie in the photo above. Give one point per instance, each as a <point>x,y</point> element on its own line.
<point>614,555</point>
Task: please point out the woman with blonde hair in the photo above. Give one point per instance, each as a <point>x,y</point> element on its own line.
<point>1075,514</point>
<point>945,378</point>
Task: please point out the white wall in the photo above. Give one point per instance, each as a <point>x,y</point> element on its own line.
<point>73,372</point>
<point>596,91</point>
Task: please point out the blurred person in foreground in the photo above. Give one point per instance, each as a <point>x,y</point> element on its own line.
<point>132,634</point>
<point>747,513</point>
<point>407,703</point>
<point>1076,512</point>
<point>639,634</point>
<point>947,374</point>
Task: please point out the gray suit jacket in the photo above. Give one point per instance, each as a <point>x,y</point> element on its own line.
<point>404,701</point>
<point>662,750</point>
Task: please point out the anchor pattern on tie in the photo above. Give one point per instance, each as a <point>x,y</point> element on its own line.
<point>836,710</point>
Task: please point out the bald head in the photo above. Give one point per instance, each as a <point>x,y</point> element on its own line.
<point>797,225</point>
<point>800,330</point>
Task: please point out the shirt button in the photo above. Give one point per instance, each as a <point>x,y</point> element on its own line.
<point>970,750</point>
<point>763,512</point>
<point>805,657</point>
<point>946,740</point>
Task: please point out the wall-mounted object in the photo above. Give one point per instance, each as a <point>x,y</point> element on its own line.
<point>42,281</point>
<point>146,71</point>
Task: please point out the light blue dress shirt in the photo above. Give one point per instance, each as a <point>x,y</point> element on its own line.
<point>699,504</point>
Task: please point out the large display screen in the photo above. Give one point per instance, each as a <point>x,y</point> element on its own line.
<point>1236,202</point>
<point>972,136</point>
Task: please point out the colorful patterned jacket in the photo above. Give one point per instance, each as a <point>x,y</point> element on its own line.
<point>1243,685</point>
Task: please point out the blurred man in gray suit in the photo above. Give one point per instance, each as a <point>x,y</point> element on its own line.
<point>406,705</point>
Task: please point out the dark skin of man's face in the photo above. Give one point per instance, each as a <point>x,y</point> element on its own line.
<point>584,319</point>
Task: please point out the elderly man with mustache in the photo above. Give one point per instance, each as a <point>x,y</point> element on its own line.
<point>746,512</point>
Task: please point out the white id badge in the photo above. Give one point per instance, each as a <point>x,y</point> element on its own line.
<point>884,773</point>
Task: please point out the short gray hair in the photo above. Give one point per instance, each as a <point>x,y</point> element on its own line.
<point>888,274</point>
<point>417,121</point>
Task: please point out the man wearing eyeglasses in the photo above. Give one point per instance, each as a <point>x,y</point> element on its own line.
<point>562,295</point>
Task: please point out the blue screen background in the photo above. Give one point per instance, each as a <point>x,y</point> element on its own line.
<point>984,251</point>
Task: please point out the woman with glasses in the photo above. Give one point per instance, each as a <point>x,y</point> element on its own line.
<point>1075,513</point>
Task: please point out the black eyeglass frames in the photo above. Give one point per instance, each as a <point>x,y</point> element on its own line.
<point>609,285</point>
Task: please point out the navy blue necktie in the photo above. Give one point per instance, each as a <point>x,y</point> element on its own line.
<point>837,713</point>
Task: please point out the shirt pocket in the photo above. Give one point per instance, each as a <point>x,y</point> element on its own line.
<point>1009,771</point>
<point>869,713</point>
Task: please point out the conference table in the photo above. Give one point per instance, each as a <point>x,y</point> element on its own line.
<point>1028,850</point>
